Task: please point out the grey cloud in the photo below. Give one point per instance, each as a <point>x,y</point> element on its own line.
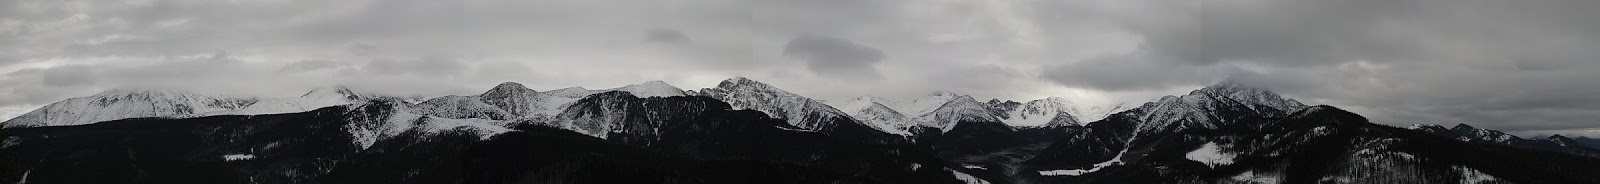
<point>310,65</point>
<point>1308,32</point>
<point>835,56</point>
<point>1134,72</point>
<point>1496,64</point>
<point>429,66</point>
<point>67,76</point>
<point>663,35</point>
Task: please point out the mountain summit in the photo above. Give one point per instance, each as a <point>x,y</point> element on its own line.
<point>800,111</point>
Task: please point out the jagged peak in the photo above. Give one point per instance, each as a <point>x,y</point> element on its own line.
<point>1227,87</point>
<point>944,93</point>
<point>1054,100</point>
<point>739,82</point>
<point>1463,126</point>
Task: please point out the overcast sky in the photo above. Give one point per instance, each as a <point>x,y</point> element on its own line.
<point>1528,66</point>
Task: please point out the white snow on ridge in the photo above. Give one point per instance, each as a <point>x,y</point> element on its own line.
<point>368,132</point>
<point>1211,155</point>
<point>1057,110</point>
<point>871,111</point>
<point>317,98</point>
<point>924,105</point>
<point>800,111</point>
<point>119,104</point>
<point>238,157</point>
<point>1252,177</point>
<point>1074,172</point>
<point>1473,176</point>
<point>651,89</point>
<point>967,178</point>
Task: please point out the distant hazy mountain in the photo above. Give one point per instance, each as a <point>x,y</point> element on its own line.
<point>1467,133</point>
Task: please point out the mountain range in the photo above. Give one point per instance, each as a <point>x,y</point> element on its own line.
<point>746,131</point>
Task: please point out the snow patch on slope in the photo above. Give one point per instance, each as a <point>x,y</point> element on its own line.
<point>1211,155</point>
<point>238,157</point>
<point>1473,176</point>
<point>398,119</point>
<point>1259,178</point>
<point>967,178</point>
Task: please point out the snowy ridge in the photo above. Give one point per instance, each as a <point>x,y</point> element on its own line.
<point>1199,107</point>
<point>1470,133</point>
<point>377,120</point>
<point>802,112</point>
<point>316,98</point>
<point>118,104</point>
<point>652,89</point>
<point>962,108</point>
<point>517,101</point>
<point>461,107</point>
<point>870,110</point>
<point>924,105</point>
<point>142,103</point>
<point>511,97</point>
<point>1057,112</point>
<point>942,109</point>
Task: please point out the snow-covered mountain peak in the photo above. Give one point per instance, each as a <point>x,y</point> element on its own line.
<point>959,108</point>
<point>744,83</point>
<point>1200,108</point>
<point>652,89</point>
<point>312,100</point>
<point>943,93</point>
<point>1483,134</point>
<point>924,105</point>
<point>1419,126</point>
<point>508,88</point>
<point>1556,137</point>
<point>333,92</point>
<point>1249,95</point>
<point>800,111</point>
<point>870,110</point>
